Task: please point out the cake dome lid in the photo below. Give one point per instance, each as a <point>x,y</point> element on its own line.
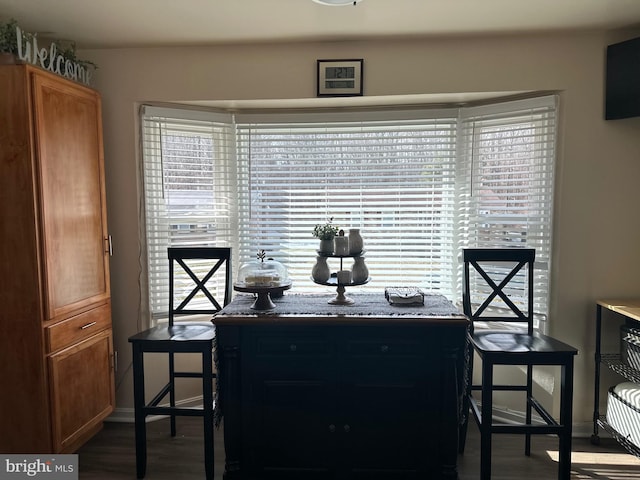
<point>262,272</point>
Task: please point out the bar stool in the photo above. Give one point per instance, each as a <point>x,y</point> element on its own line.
<point>502,275</point>
<point>201,265</point>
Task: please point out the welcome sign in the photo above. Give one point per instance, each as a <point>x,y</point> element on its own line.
<point>50,59</point>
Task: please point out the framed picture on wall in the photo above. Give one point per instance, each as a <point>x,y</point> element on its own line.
<point>339,78</point>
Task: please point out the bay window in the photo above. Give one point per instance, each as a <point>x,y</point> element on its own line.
<point>420,184</point>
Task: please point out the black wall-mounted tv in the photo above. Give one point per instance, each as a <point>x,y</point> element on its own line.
<point>622,98</point>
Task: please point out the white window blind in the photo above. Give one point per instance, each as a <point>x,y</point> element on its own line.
<point>393,179</point>
<point>506,174</point>
<point>189,190</point>
<point>419,184</point>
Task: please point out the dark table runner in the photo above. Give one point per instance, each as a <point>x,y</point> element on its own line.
<point>366,304</point>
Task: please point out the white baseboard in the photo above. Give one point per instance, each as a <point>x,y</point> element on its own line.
<point>580,430</point>
<point>126,415</point>
<point>121,415</point>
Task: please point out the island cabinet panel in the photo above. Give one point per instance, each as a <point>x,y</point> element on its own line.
<point>388,403</point>
<point>292,379</point>
<point>56,359</point>
<point>341,402</point>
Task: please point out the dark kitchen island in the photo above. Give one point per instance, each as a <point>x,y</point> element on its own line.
<point>310,390</point>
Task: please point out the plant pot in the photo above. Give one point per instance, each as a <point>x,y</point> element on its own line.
<point>8,59</point>
<point>326,246</point>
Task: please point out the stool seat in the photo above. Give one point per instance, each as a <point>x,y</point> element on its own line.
<point>510,344</point>
<point>176,333</point>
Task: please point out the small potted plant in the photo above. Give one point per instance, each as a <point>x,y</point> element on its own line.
<point>8,42</point>
<point>68,52</point>
<point>325,232</point>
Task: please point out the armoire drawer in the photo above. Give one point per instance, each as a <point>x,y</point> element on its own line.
<point>78,327</point>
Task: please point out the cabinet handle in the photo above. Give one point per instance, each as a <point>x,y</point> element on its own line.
<point>384,348</point>
<point>114,361</point>
<point>347,428</point>
<point>293,347</point>
<point>88,325</point>
<point>332,428</point>
<point>109,243</point>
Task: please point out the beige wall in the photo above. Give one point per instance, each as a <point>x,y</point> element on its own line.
<point>596,228</point>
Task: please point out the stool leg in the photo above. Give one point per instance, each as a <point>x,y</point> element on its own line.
<point>139,406</point>
<point>566,418</point>
<point>207,399</point>
<point>172,392</point>
<point>528,420</point>
<point>487,420</point>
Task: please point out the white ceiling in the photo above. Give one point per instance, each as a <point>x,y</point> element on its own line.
<point>129,23</point>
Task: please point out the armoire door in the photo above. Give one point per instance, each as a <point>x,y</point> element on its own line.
<point>68,130</point>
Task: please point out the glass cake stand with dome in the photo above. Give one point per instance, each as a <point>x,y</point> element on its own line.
<point>262,278</point>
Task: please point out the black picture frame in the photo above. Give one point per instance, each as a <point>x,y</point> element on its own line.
<point>340,78</point>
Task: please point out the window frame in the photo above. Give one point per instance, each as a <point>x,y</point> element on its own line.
<point>239,179</point>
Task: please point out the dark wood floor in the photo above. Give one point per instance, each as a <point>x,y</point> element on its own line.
<point>111,456</point>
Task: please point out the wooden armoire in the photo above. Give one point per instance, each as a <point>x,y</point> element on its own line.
<point>56,350</point>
